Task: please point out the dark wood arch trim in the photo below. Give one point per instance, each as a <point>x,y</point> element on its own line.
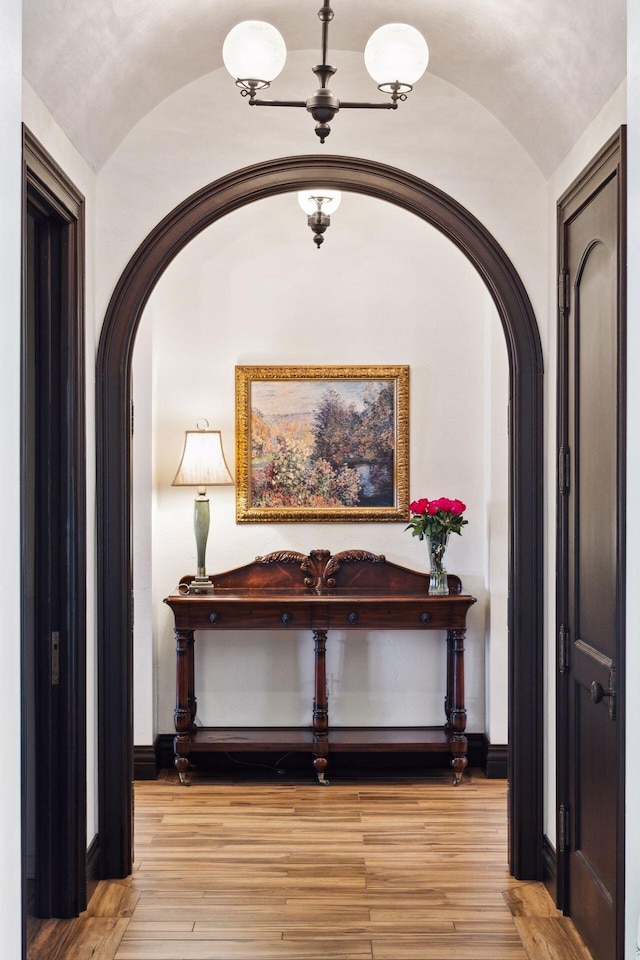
<point>525,473</point>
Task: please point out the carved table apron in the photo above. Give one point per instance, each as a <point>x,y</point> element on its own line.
<point>291,591</point>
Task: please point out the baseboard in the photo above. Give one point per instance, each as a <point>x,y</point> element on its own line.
<point>550,868</point>
<point>385,763</point>
<point>146,761</point>
<point>495,759</point>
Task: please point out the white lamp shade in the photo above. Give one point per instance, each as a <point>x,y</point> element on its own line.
<point>254,50</point>
<point>309,205</point>
<point>203,463</point>
<point>396,52</point>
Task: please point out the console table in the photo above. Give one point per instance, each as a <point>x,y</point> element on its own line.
<point>286,590</point>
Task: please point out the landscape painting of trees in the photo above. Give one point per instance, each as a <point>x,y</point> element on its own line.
<point>324,443</point>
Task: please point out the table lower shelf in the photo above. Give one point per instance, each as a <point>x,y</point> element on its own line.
<point>341,739</point>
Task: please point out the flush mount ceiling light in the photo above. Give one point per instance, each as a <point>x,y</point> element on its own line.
<point>319,203</point>
<point>396,56</point>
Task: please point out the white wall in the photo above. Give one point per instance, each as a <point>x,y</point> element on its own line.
<point>10,560</point>
<point>40,122</point>
<point>397,292</point>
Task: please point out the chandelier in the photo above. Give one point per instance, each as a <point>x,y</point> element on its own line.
<point>319,203</point>
<point>396,56</point>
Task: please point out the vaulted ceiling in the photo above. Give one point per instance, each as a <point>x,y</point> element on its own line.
<point>544,68</point>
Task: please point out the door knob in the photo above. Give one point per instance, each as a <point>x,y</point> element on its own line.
<point>599,693</point>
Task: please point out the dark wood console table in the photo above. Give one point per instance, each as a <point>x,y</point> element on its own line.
<point>287,590</point>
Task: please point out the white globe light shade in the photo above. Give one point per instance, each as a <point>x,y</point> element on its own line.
<point>396,52</point>
<point>309,205</point>
<point>254,50</point>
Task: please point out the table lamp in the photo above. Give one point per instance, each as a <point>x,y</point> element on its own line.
<point>202,465</point>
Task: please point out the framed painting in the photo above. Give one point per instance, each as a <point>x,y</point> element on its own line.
<point>322,444</point>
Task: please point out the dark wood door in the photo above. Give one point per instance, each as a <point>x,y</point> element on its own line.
<point>590,554</point>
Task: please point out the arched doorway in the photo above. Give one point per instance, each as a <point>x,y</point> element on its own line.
<point>115,762</point>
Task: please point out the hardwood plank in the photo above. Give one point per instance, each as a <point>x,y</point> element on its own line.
<point>197,934</point>
<point>551,938</point>
<point>112,900</point>
<point>531,900</point>
<point>451,947</point>
<point>246,950</point>
<point>91,938</point>
<point>158,927</point>
<point>216,915</point>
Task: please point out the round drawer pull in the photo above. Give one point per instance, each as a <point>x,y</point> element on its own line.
<point>286,618</point>
<point>425,617</point>
<point>214,617</point>
<point>353,618</point>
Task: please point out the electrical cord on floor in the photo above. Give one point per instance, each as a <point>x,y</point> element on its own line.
<point>276,768</point>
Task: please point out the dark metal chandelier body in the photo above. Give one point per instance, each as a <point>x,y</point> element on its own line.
<point>323,105</point>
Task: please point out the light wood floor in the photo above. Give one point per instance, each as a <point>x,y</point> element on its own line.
<point>288,871</point>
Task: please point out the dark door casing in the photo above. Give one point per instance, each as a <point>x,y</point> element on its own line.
<point>591,425</point>
<point>53,525</point>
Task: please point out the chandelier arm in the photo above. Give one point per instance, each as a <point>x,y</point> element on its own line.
<point>368,106</point>
<point>277,103</point>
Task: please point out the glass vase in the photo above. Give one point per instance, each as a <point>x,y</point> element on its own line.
<point>438,585</point>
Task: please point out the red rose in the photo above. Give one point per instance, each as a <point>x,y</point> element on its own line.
<point>432,507</point>
<point>419,506</point>
<point>458,507</point>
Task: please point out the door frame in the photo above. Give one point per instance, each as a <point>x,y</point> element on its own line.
<point>524,351</point>
<point>61,769</point>
<point>608,163</point>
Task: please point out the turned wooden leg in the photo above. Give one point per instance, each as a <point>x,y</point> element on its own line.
<point>320,707</point>
<point>448,700</point>
<point>181,761</point>
<point>192,702</point>
<point>458,713</point>
<point>182,716</point>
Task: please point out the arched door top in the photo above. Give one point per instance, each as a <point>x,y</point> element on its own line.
<point>164,242</point>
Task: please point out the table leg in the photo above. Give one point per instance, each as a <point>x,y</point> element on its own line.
<point>448,700</point>
<point>320,707</point>
<point>192,702</point>
<point>457,719</point>
<point>182,714</point>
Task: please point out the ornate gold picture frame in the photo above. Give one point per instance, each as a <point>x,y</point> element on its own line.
<point>322,444</point>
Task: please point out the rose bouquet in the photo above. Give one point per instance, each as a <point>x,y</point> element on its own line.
<point>429,517</point>
<point>433,521</point>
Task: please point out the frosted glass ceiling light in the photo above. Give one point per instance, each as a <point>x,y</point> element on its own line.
<point>308,199</point>
<point>254,54</point>
<point>396,56</point>
<point>319,203</point>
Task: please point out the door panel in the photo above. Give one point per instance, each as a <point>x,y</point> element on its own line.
<point>590,561</point>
